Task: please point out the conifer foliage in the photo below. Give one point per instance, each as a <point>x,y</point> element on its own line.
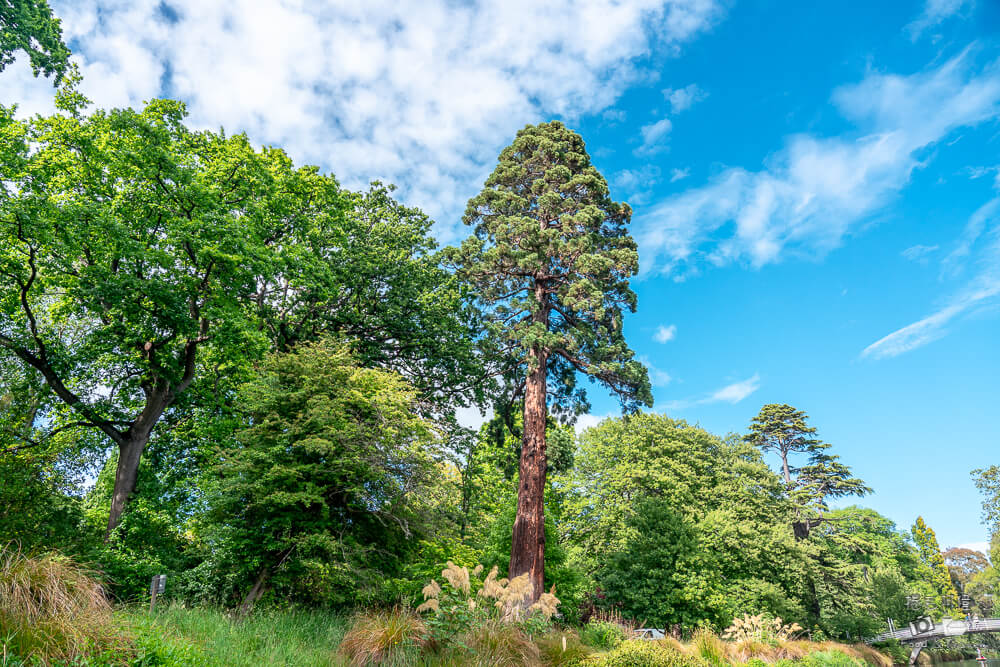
<point>550,259</point>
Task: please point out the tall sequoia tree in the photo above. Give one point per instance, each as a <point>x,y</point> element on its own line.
<point>550,259</point>
<point>784,430</point>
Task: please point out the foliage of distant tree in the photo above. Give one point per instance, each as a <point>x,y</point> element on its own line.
<point>29,26</point>
<point>987,480</point>
<point>784,430</point>
<point>964,564</point>
<point>930,554</point>
<point>550,257</point>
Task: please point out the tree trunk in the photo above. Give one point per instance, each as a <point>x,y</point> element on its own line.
<point>129,454</point>
<point>527,550</point>
<point>255,592</point>
<point>130,449</point>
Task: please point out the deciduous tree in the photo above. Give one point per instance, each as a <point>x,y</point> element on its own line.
<point>29,26</point>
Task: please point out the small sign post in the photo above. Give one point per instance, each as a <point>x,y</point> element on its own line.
<point>156,586</point>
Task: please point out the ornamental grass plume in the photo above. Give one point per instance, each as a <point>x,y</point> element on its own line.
<point>492,587</point>
<point>514,597</point>
<point>546,604</point>
<point>458,577</point>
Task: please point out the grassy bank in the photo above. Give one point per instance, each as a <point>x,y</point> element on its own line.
<point>186,637</point>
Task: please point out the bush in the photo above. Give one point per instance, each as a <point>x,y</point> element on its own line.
<point>563,650</point>
<point>383,636</point>
<point>710,648</point>
<point>603,634</point>
<point>52,609</point>
<point>645,653</point>
<point>502,644</point>
<point>831,658</point>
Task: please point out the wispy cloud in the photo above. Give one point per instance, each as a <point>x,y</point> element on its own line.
<point>425,99</point>
<point>731,393</point>
<point>665,334</point>
<point>657,376</point>
<point>682,99</point>
<point>918,252</point>
<point>654,137</point>
<point>679,174</point>
<point>934,13</point>
<point>981,239</point>
<point>816,189</point>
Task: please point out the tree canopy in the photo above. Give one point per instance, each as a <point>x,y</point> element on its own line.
<point>29,26</point>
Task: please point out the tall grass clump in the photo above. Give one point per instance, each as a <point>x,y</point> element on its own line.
<point>383,637</point>
<point>52,609</point>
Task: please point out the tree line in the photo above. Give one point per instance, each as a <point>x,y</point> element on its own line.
<point>229,368</point>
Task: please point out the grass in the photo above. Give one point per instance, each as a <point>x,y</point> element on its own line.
<point>52,610</point>
<point>203,636</point>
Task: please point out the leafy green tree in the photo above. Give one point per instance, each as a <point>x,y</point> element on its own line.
<point>29,26</point>
<point>373,275</point>
<point>784,430</point>
<point>550,258</point>
<point>987,480</point>
<point>930,554</point>
<point>663,576</point>
<point>130,250</point>
<point>964,564</point>
<point>319,489</point>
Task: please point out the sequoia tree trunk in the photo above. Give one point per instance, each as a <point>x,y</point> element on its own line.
<point>527,550</point>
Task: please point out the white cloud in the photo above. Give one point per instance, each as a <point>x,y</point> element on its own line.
<point>918,252</point>
<point>981,238</point>
<point>665,334</point>
<point>813,191</point>
<point>423,98</point>
<point>654,136</point>
<point>682,99</point>
<point>583,422</point>
<point>657,376</point>
<point>731,393</point>
<point>679,174</point>
<point>934,13</point>
<point>736,392</point>
<point>981,547</point>
<point>471,417</point>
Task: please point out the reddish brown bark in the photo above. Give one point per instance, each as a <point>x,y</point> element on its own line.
<point>527,551</point>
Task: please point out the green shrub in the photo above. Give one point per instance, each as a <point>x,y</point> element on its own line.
<point>603,635</point>
<point>756,662</point>
<point>830,659</point>
<point>710,648</point>
<point>894,650</point>
<point>645,653</point>
<point>554,654</point>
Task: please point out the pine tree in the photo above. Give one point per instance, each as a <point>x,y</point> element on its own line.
<point>550,259</point>
<point>784,430</point>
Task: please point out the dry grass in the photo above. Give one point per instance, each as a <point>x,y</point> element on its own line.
<point>383,637</point>
<point>706,645</point>
<point>52,609</point>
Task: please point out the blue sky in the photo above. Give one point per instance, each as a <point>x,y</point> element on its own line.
<point>815,185</point>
